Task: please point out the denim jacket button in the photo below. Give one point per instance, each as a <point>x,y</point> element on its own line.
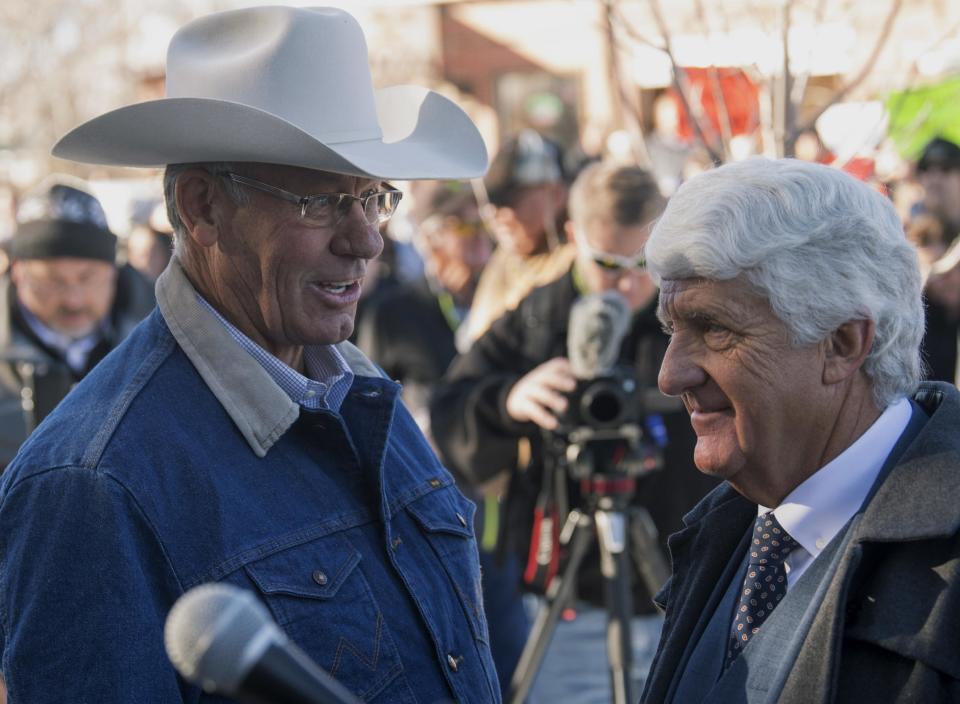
<point>319,577</point>
<point>463,521</point>
<point>453,663</point>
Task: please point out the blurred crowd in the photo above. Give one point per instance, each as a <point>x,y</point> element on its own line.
<point>467,308</point>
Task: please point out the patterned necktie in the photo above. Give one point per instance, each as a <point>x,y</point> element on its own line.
<point>765,583</point>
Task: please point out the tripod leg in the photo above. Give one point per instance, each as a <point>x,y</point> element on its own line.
<point>646,550</point>
<point>577,531</point>
<point>615,566</point>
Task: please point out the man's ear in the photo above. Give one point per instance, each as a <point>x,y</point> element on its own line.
<point>195,192</point>
<point>16,272</point>
<point>846,349</point>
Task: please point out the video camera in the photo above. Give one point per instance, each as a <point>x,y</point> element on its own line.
<point>605,429</point>
<point>602,430</point>
<point>603,442</point>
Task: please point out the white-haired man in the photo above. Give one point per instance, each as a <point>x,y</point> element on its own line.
<point>826,567</point>
<point>235,437</point>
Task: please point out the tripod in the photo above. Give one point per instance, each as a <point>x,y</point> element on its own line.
<point>619,529</point>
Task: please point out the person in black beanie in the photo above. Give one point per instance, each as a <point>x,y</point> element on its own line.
<point>64,304</point>
<point>938,171</point>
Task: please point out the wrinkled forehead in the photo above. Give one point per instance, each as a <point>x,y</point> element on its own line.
<point>671,289</point>
<point>683,299</point>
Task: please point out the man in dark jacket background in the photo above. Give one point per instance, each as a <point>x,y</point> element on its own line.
<point>63,305</point>
<point>412,332</point>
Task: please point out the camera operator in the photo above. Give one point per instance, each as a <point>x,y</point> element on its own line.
<point>496,401</point>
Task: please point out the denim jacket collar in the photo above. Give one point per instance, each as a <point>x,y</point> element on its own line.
<point>259,408</point>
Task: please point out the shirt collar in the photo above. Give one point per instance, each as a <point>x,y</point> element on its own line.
<point>328,377</point>
<point>75,350</point>
<point>258,406</point>
<point>817,510</point>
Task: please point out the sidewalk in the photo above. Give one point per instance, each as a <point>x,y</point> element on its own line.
<point>575,667</point>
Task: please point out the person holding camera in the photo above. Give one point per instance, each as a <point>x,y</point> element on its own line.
<point>498,403</point>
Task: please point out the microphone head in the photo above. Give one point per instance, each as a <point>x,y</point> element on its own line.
<point>215,633</point>
<point>598,322</point>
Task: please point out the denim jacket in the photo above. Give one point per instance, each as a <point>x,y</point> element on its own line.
<point>178,461</point>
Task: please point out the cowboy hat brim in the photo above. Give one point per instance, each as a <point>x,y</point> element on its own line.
<point>425,136</point>
<point>949,260</point>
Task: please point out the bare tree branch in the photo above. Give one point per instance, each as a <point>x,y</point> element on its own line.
<point>800,82</point>
<point>682,85</point>
<point>716,88</point>
<point>786,123</point>
<point>895,109</point>
<point>720,100</point>
<point>631,29</point>
<point>756,13</point>
<point>624,103</point>
<point>845,90</point>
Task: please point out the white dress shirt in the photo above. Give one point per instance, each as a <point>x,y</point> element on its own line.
<point>818,509</point>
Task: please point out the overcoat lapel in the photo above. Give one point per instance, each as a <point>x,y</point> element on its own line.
<point>891,607</point>
<point>701,555</point>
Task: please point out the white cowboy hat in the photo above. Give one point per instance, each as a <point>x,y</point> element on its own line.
<point>949,259</point>
<point>289,86</point>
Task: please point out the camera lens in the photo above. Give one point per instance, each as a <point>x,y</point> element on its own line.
<point>602,404</point>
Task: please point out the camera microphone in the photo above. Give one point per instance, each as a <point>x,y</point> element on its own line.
<point>598,323</point>
<point>222,638</point>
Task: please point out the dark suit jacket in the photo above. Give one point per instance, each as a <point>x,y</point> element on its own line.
<point>889,626</point>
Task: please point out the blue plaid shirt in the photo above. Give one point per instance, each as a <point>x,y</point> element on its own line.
<point>329,377</point>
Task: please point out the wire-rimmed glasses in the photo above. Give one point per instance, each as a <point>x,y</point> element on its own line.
<point>328,209</point>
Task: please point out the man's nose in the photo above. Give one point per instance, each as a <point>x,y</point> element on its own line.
<point>679,370</point>
<point>356,237</point>
<point>626,283</point>
<point>73,296</point>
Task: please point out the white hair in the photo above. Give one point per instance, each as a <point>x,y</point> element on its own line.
<point>170,176</point>
<point>820,246</point>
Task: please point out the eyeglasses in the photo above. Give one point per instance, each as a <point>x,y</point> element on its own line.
<point>328,209</point>
<point>615,263</point>
<point>466,228</point>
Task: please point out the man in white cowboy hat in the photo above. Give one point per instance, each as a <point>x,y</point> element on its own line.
<point>235,436</point>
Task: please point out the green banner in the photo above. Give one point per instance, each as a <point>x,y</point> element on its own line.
<point>920,114</point>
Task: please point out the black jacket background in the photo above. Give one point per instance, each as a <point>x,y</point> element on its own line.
<point>53,379</point>
<point>471,426</point>
<point>406,333</point>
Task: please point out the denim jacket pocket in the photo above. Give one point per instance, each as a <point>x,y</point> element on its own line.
<point>446,517</point>
<point>322,600</point>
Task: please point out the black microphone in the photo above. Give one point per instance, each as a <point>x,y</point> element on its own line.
<point>597,325</point>
<point>222,638</point>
